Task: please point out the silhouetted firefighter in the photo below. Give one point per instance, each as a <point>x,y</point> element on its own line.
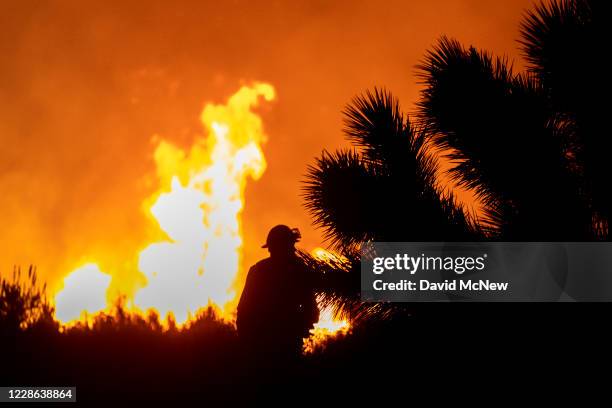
<point>277,307</point>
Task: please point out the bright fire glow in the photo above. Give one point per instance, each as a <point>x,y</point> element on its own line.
<point>328,255</point>
<point>198,206</point>
<point>329,324</point>
<point>84,294</point>
<point>199,263</point>
<point>327,327</point>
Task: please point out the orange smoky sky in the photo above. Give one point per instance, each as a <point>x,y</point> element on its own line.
<point>85,85</point>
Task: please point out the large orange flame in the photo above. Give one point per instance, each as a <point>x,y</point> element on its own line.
<point>83,295</point>
<point>199,263</point>
<point>198,206</point>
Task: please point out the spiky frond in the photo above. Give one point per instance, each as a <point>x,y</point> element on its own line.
<point>496,126</point>
<point>374,123</point>
<point>564,43</point>
<point>341,191</point>
<point>559,41</point>
<point>387,194</point>
<point>466,103</point>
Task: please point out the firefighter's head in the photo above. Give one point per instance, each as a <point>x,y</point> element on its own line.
<point>281,240</point>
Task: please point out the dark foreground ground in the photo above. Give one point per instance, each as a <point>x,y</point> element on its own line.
<point>509,346</point>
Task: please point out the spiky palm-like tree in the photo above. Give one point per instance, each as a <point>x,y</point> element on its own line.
<point>507,144</point>
<point>564,43</point>
<point>533,146</point>
<point>384,189</point>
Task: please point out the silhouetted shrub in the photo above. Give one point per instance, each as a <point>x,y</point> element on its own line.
<point>23,303</point>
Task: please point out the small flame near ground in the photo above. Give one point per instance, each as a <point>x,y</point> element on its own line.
<point>329,326</point>
<point>198,206</point>
<point>328,256</point>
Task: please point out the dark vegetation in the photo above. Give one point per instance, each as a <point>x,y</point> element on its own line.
<point>121,356</point>
<point>127,359</point>
<point>532,145</point>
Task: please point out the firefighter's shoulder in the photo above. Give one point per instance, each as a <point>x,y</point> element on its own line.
<point>261,265</point>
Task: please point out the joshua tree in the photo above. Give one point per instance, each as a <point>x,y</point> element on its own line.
<point>385,189</point>
<point>530,145</point>
<point>499,129</point>
<point>563,43</point>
